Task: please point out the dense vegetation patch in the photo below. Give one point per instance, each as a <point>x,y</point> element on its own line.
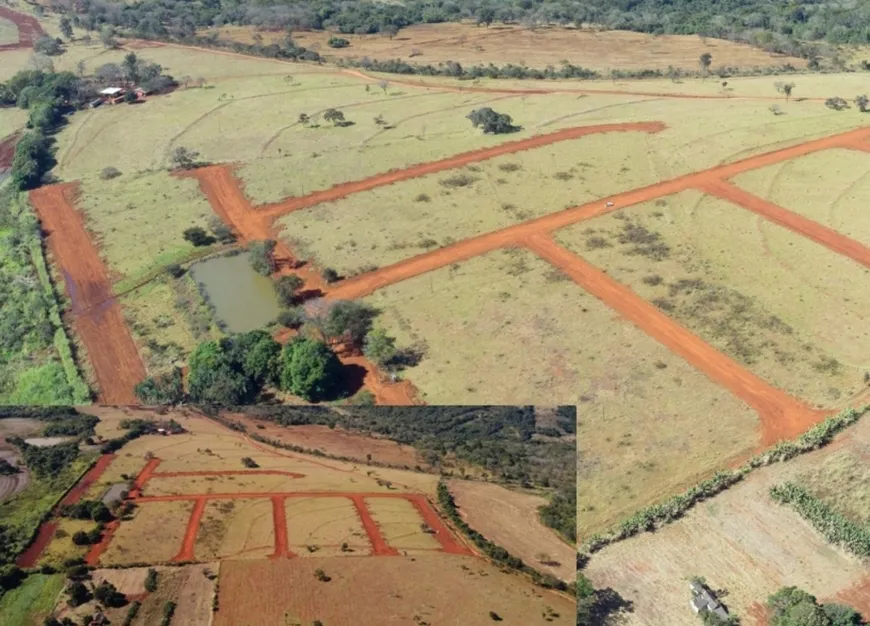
<point>791,606</point>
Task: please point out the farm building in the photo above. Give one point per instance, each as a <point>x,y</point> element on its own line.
<point>703,600</point>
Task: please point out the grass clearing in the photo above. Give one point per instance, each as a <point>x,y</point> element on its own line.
<point>324,524</point>
<point>469,44</point>
<point>789,309</point>
<point>32,602</point>
<point>829,187</point>
<point>237,529</point>
<point>154,534</point>
<point>62,547</point>
<point>842,480</point>
<point>740,541</point>
<point>401,525</point>
<point>8,32</point>
<point>11,120</point>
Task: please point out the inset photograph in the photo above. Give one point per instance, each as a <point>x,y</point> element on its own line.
<point>288,514</point>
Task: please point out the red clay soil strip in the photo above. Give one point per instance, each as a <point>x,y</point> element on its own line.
<point>97,316</point>
<point>187,546</point>
<point>97,550</point>
<point>365,284</point>
<point>30,557</point>
<point>279,519</point>
<point>434,521</point>
<point>143,477</point>
<point>459,160</point>
<point>7,150</point>
<point>92,476</point>
<point>379,544</point>
<point>29,29</point>
<point>823,235</point>
<point>782,417</point>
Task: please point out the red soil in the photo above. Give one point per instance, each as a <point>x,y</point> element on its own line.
<point>97,316</point>
<point>279,520</point>
<point>379,544</point>
<point>459,160</point>
<point>93,475</point>
<point>189,542</point>
<point>782,417</point>
<point>432,519</point>
<point>143,477</point>
<point>7,150</point>
<point>30,557</point>
<point>29,30</point>
<point>96,550</point>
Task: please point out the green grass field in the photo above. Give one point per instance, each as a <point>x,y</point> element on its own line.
<point>8,32</point>
<point>32,602</point>
<point>785,307</point>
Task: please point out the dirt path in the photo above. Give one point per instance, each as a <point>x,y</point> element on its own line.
<point>458,160</point>
<point>96,315</point>
<point>379,544</point>
<point>92,476</point>
<point>279,521</point>
<point>434,521</point>
<point>29,29</point>
<point>189,543</point>
<point>782,417</point>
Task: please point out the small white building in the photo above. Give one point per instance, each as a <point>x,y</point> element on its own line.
<point>112,92</point>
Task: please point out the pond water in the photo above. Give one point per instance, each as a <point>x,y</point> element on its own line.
<point>243,299</point>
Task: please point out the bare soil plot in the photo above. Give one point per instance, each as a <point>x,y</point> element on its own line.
<point>401,525</point>
<point>239,529</point>
<point>335,441</point>
<point>469,44</point>
<point>319,527</point>
<point>740,541</point>
<point>761,307</point>
<point>829,187</point>
<point>129,581</point>
<point>153,535</point>
<point>382,592</point>
<point>510,519</point>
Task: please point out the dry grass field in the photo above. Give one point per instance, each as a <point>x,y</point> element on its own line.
<point>401,525</point>
<point>61,547</point>
<point>11,120</point>
<point>318,527</point>
<point>153,535</point>
<point>741,542</point>
<point>235,529</point>
<point>469,44</point>
<point>787,308</point>
<point>510,519</point>
<point>434,589</point>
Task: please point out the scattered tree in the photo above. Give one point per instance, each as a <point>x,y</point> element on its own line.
<point>48,46</point>
<point>380,347</point>
<point>78,593</point>
<point>862,102</point>
<point>262,256</point>
<point>310,370</point>
<point>107,37</point>
<point>184,158</point>
<point>66,28</point>
<point>221,231</point>
<point>349,321</point>
<point>784,88</point>
<point>705,60</point>
<point>335,116</point>
<point>837,104</point>
<point>384,85</point>
<point>249,462</point>
<point>775,109</point>
<point>320,575</point>
<point>151,580</point>
<point>291,318</point>
<point>491,121</point>
<point>304,119</point>
<point>197,236</point>
<point>109,596</point>
<point>108,173</point>
<point>329,275</point>
<point>287,288</point>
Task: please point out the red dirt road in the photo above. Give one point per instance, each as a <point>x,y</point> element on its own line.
<point>379,544</point>
<point>432,519</point>
<point>29,29</point>
<point>93,475</point>
<point>823,235</point>
<point>97,316</point>
<point>279,521</point>
<point>188,544</point>
<point>459,160</point>
<point>30,557</point>
<point>782,417</point>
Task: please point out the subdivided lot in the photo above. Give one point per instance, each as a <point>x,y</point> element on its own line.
<point>320,527</point>
<point>154,535</point>
<point>741,542</point>
<point>790,310</point>
<point>31,603</point>
<point>235,529</point>
<point>390,223</point>
<point>384,592</point>
<point>61,548</point>
<point>137,221</point>
<point>829,187</point>
<point>401,525</point>
<point>842,480</point>
<point>510,519</point>
<point>469,44</point>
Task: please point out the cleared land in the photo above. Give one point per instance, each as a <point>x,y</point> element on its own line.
<point>762,307</point>
<point>153,535</point>
<point>510,519</point>
<point>436,589</point>
<point>320,527</point>
<point>469,44</point>
<point>740,541</point>
<point>401,525</point>
<point>240,529</point>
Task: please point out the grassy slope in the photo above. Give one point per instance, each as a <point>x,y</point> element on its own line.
<point>30,603</point>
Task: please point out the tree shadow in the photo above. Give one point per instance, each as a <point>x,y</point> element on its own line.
<point>353,377</point>
<point>610,607</point>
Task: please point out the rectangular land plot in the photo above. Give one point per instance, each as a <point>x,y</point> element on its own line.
<point>829,187</point>
<point>651,423</point>
<point>790,310</point>
<point>236,529</point>
<point>401,525</point>
<point>842,481</point>
<point>153,535</point>
<point>740,541</point>
<point>324,524</point>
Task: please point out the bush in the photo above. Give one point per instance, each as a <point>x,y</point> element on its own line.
<point>249,462</point>
<point>108,173</point>
<point>198,237</point>
<point>151,580</point>
<point>286,288</point>
<point>329,275</point>
<point>291,318</point>
<point>167,388</point>
<point>262,256</point>
<point>492,122</point>
<point>175,270</point>
<point>338,42</point>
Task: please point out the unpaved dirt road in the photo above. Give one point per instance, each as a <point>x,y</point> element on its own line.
<point>29,29</point>
<point>510,519</point>
<point>96,315</point>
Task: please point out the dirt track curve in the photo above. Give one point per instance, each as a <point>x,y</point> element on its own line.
<point>29,29</point>
<point>96,314</point>
<point>459,160</point>
<point>782,417</point>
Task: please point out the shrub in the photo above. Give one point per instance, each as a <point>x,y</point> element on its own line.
<point>249,462</point>
<point>108,173</point>
<point>151,580</point>
<point>457,180</point>
<point>329,275</point>
<point>320,575</point>
<point>291,318</point>
<point>286,288</point>
<point>338,42</point>
<point>422,197</point>
<point>262,256</point>
<point>197,236</point>
<point>175,270</point>
<point>491,121</point>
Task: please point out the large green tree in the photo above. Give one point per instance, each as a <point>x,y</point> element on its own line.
<point>310,370</point>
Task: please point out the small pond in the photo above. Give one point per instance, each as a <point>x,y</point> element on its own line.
<point>243,299</point>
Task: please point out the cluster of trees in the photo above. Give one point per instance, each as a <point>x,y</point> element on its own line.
<point>134,71</point>
<point>492,122</point>
<point>79,425</point>
<point>597,606</point>
<point>791,606</point>
<point>93,510</point>
<point>456,70</point>
<point>46,461</point>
